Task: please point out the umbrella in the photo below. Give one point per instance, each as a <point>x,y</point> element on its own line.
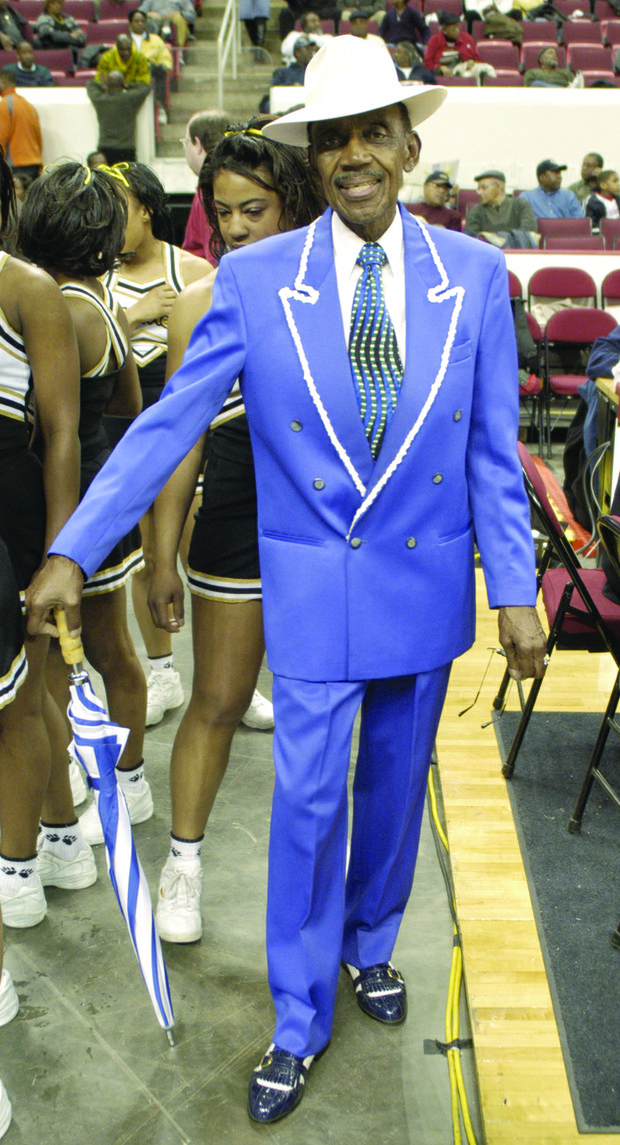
<point>98,745</point>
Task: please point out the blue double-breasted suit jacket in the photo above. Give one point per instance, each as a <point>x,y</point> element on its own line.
<point>367,567</point>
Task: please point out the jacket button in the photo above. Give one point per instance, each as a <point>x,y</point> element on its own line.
<point>437,478</point>
<point>319,483</point>
<point>356,542</point>
<point>411,542</point>
<point>296,426</point>
<point>458,414</point>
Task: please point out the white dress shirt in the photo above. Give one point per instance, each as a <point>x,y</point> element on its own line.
<point>347,246</point>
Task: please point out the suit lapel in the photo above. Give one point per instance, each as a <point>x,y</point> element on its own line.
<point>312,308</point>
<point>313,314</point>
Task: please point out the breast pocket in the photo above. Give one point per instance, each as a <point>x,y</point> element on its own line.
<point>461,352</point>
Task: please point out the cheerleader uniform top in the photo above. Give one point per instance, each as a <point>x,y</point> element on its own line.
<point>97,385</point>
<point>150,339</point>
<point>14,384</point>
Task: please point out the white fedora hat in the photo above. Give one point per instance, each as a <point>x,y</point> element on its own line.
<point>348,76</point>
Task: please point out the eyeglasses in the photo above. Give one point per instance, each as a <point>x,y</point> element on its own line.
<point>184,142</point>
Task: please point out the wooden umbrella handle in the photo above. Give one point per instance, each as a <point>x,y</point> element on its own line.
<point>70,646</point>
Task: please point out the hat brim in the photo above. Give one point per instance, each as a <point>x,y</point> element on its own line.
<point>292,128</point>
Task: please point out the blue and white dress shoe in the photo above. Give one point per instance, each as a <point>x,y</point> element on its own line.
<point>380,992</point>
<point>277,1084</point>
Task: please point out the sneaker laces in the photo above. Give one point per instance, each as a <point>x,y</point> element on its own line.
<point>182,885</point>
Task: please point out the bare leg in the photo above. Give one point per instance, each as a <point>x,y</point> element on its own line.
<point>109,648</point>
<point>26,757</point>
<point>157,641</point>
<point>228,651</point>
<point>58,803</point>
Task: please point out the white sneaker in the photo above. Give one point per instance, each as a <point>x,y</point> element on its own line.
<point>259,714</point>
<point>6,1112</point>
<point>139,805</point>
<point>69,874</point>
<point>79,789</point>
<point>164,691</point>
<point>162,115</point>
<point>9,1002</point>
<point>26,906</point>
<point>177,916</point>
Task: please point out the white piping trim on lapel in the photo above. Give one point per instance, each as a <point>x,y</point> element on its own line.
<point>305,293</point>
<point>441,293</point>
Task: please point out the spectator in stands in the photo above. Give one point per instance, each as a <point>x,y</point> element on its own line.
<point>55,30</point>
<point>548,74</point>
<point>96,159</point>
<point>500,214</point>
<point>25,72</point>
<point>294,10</point>
<point>163,13</point>
<point>13,27</point>
<point>453,52</point>
<point>157,53</point>
<point>403,23</point>
<point>312,28</point>
<point>125,58</point>
<point>117,105</point>
<point>549,200</point>
<point>409,65</point>
<point>303,50</point>
<point>591,167</point>
<point>604,201</point>
<point>203,132</point>
<point>255,14</point>
<point>20,130</point>
<point>359,27</point>
<point>433,207</point>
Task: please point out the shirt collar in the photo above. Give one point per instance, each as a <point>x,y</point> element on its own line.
<point>347,245</point>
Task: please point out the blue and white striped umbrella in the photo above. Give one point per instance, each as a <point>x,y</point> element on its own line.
<point>98,745</point>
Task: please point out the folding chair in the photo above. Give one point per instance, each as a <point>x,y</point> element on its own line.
<point>540,30</point>
<point>548,227</point>
<point>609,532</point>
<point>531,50</point>
<point>574,242</point>
<point>581,32</point>
<point>554,282</point>
<point>578,328</point>
<point>504,79</point>
<point>532,393</point>
<point>580,617</point>
<point>499,53</point>
<point>610,228</point>
<point>589,58</point>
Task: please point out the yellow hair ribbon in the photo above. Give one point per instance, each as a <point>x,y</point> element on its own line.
<point>245,131</point>
<point>88,176</point>
<point>117,172</point>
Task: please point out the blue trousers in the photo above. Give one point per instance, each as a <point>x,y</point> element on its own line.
<point>318,911</point>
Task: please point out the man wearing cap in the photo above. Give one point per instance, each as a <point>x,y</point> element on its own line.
<point>359,27</point>
<point>549,200</point>
<point>549,74</point>
<point>303,50</point>
<point>452,51</point>
<point>311,27</point>
<point>433,207</point>
<point>378,370</point>
<point>498,213</point>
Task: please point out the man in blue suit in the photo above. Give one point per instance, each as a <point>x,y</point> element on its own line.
<point>366,532</point>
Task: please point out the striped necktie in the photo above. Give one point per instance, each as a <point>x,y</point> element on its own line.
<point>373,349</point>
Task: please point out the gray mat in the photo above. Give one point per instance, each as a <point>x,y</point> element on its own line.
<point>575,888</point>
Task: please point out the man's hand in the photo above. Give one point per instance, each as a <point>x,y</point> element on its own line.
<point>523,640</point>
<point>57,585</point>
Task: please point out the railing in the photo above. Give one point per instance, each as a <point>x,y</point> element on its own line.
<point>228,42</point>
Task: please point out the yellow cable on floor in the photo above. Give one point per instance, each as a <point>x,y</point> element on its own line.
<point>458,1093</point>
